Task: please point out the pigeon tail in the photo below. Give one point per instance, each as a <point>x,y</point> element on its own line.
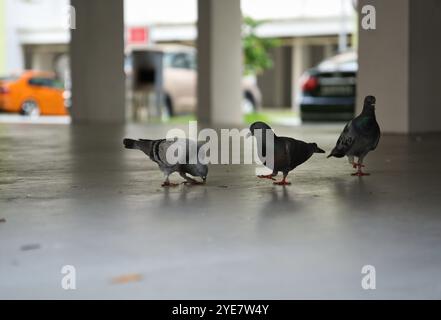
<point>130,144</point>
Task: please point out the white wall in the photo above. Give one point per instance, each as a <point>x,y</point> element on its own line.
<point>185,11</point>
<point>43,21</point>
<point>33,21</point>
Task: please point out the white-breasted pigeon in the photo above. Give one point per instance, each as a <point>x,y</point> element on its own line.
<point>360,136</point>
<point>156,150</point>
<point>288,153</point>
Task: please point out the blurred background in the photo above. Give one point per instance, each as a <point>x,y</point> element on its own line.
<point>299,60</point>
<point>78,77</point>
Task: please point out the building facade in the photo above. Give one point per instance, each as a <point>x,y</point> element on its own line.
<point>35,34</point>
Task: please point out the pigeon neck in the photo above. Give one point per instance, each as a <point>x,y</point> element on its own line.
<point>368,110</point>
<point>262,141</point>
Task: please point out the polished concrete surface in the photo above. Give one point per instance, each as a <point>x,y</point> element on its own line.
<point>71,195</point>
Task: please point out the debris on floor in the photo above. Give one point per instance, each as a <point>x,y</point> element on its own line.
<point>29,247</point>
<point>2,220</point>
<point>127,278</point>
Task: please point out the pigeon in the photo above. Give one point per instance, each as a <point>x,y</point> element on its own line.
<point>360,136</point>
<point>288,153</point>
<point>156,150</point>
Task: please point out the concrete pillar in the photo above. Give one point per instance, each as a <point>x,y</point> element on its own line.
<point>97,57</point>
<point>399,63</point>
<point>219,62</point>
<point>300,63</point>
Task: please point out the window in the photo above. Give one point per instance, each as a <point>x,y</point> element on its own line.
<point>45,82</point>
<point>179,60</point>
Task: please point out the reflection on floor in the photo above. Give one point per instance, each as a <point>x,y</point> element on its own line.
<point>275,116</point>
<point>17,119</point>
<point>71,195</point>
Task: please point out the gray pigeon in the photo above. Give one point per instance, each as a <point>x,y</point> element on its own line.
<point>288,153</point>
<point>360,136</point>
<point>156,150</point>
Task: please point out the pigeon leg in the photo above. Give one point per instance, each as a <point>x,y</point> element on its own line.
<point>352,162</point>
<point>167,183</point>
<point>268,176</point>
<point>360,172</point>
<point>283,182</point>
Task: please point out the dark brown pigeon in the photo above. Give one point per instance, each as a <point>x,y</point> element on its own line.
<point>288,153</point>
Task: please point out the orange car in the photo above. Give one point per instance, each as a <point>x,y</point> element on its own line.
<point>32,93</point>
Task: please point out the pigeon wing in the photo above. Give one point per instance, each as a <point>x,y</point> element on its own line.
<point>377,137</point>
<point>369,130</point>
<point>158,151</point>
<point>299,152</point>
<point>281,154</point>
<point>344,142</point>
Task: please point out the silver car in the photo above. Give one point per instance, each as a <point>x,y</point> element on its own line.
<point>180,81</point>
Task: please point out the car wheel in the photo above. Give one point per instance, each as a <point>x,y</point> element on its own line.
<point>248,104</point>
<point>30,108</point>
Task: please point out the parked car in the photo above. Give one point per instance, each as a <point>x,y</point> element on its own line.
<point>180,81</point>
<point>33,93</point>
<point>328,90</point>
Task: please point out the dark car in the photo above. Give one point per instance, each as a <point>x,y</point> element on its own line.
<point>328,90</point>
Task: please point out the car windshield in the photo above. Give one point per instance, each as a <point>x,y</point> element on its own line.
<point>346,61</point>
<point>46,82</point>
<point>179,60</point>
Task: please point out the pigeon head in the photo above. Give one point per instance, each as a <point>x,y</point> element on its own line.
<point>198,170</point>
<point>369,103</point>
<point>203,172</point>
<point>315,149</point>
<point>370,100</point>
<point>259,125</point>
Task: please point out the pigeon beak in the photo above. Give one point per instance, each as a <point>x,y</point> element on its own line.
<point>318,150</point>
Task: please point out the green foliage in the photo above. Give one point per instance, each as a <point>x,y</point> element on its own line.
<point>256,49</point>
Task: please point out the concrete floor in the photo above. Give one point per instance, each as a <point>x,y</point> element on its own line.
<point>71,195</point>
